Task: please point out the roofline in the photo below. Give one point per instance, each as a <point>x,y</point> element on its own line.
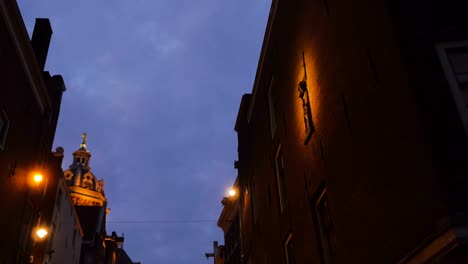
<point>15,26</point>
<point>266,41</point>
<point>230,207</point>
<point>245,103</point>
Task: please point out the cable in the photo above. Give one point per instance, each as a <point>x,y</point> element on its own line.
<point>160,221</point>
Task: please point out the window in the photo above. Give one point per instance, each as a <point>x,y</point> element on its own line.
<point>254,204</point>
<point>272,109</point>
<point>74,237</point>
<point>269,195</point>
<point>58,202</point>
<point>454,60</point>
<point>54,231</point>
<point>288,250</point>
<point>324,225</point>
<point>326,7</point>
<point>279,162</point>
<point>4,125</point>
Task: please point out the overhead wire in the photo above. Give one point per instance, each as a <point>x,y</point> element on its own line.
<point>160,221</point>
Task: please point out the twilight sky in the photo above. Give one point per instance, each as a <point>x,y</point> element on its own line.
<point>156,84</point>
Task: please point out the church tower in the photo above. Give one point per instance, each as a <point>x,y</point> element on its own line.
<point>85,188</point>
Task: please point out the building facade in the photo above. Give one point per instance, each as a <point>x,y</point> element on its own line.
<point>87,194</point>
<point>29,108</point>
<point>90,203</point>
<point>66,234</point>
<point>353,144</point>
<point>229,222</point>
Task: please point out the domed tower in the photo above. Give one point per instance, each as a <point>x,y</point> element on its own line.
<point>85,188</point>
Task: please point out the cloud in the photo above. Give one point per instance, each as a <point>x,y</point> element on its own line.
<point>156,85</point>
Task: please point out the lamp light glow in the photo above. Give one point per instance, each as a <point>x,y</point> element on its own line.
<point>38,178</point>
<point>41,232</point>
<point>232,192</point>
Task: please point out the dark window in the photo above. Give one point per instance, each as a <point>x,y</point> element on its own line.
<point>54,231</point>
<point>74,236</point>
<point>289,251</point>
<point>269,195</point>
<point>254,202</point>
<point>325,226</point>
<point>326,7</point>
<point>4,124</point>
<point>373,68</point>
<point>58,202</point>
<point>232,240</point>
<point>272,110</point>
<point>26,227</point>
<point>280,177</point>
<point>459,61</point>
<point>454,61</point>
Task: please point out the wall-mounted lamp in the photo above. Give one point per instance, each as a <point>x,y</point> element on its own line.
<point>41,232</point>
<point>38,178</point>
<point>232,192</point>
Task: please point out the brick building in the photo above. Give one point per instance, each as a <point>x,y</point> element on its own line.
<point>229,222</point>
<point>29,108</point>
<point>353,144</point>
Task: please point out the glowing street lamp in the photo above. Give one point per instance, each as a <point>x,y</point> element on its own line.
<point>232,192</point>
<point>41,232</point>
<point>38,178</point>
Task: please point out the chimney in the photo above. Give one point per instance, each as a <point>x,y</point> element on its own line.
<point>215,248</point>
<point>58,156</point>
<point>41,39</point>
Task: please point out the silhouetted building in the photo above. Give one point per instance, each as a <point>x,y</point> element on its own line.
<point>29,108</point>
<point>218,253</point>
<point>115,250</point>
<point>90,202</point>
<point>353,144</point>
<point>229,222</point>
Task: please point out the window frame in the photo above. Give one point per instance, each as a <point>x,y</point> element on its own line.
<point>272,106</point>
<point>4,129</point>
<point>286,251</point>
<point>442,50</point>
<point>281,180</point>
<point>323,236</point>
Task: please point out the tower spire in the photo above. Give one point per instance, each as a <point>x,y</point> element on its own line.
<point>84,138</point>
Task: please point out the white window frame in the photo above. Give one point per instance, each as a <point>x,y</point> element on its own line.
<point>324,238</point>
<point>441,49</point>
<point>4,131</point>
<point>286,243</point>
<point>282,198</point>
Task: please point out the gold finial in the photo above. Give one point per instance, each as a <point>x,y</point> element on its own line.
<point>84,137</point>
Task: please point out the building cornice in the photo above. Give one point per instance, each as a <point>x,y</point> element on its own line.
<point>266,41</point>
